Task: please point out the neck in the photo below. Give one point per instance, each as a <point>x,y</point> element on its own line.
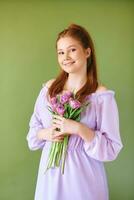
<point>75,82</point>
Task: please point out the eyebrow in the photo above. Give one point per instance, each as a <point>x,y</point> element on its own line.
<point>68,47</point>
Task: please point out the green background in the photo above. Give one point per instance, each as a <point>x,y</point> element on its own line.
<point>28,30</point>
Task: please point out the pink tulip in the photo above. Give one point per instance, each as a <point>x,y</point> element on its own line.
<point>54,106</point>
<point>74,103</point>
<point>60,109</point>
<point>65,97</point>
<point>53,100</point>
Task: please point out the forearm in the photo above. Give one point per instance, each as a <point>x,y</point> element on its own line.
<point>34,142</point>
<point>41,133</point>
<point>86,133</point>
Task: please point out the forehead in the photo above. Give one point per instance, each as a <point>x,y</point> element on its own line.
<point>67,42</point>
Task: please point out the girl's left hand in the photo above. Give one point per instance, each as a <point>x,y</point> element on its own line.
<point>66,126</point>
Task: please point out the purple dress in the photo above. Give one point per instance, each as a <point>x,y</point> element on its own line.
<point>84,175</point>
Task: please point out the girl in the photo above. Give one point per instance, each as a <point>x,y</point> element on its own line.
<point>93,140</point>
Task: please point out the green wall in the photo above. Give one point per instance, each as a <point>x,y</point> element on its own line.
<point>28,30</point>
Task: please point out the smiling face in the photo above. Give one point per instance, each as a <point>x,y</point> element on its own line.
<point>72,57</point>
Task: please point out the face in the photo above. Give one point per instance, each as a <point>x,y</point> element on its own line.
<point>72,57</point>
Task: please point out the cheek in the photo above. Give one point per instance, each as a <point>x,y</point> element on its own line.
<point>59,60</point>
<point>60,63</point>
<point>78,55</point>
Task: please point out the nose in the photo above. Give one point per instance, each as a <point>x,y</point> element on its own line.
<point>66,56</point>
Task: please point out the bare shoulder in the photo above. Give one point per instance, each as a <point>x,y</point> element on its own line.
<point>101,88</point>
<point>48,83</point>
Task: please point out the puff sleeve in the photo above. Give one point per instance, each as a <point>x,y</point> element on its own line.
<point>107,143</point>
<point>35,123</point>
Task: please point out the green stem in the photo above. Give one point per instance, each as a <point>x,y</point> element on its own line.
<point>59,154</point>
<point>56,153</point>
<point>71,114</point>
<point>64,153</point>
<point>51,155</point>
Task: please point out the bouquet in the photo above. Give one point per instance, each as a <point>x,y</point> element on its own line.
<point>68,106</point>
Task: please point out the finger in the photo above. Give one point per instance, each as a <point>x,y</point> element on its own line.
<point>58,139</point>
<point>58,117</point>
<point>57,121</point>
<point>55,133</point>
<point>58,134</point>
<point>56,126</point>
<point>61,134</point>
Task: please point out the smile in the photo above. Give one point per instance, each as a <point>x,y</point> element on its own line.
<point>69,63</point>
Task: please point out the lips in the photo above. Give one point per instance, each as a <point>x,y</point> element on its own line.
<point>69,63</point>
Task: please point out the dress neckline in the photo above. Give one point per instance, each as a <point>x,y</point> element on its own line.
<point>108,91</point>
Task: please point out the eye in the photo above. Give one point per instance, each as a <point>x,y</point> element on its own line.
<point>61,52</point>
<point>73,49</point>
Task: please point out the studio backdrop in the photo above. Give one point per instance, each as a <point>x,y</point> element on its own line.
<point>28,32</point>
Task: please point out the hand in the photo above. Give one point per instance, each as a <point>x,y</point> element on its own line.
<point>66,126</point>
<point>49,134</point>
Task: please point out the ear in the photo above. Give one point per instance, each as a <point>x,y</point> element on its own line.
<point>88,52</point>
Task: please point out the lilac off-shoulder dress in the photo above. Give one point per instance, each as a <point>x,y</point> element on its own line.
<point>84,175</point>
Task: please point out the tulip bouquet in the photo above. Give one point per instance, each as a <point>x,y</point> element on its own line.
<point>68,106</point>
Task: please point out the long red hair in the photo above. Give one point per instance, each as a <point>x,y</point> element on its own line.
<point>80,34</point>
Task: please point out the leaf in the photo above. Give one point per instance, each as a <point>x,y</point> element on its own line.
<point>76,113</point>
<point>65,106</point>
<point>58,98</point>
<point>66,114</point>
<point>78,118</point>
<point>85,105</point>
<point>50,109</point>
<point>72,113</point>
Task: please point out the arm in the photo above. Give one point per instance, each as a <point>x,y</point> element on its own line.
<point>38,134</point>
<point>49,134</point>
<point>35,124</point>
<point>85,132</point>
<point>104,142</point>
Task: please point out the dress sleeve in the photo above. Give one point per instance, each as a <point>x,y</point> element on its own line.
<point>107,143</point>
<point>35,123</point>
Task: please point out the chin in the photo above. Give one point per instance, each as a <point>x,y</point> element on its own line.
<point>69,71</point>
<point>66,70</point>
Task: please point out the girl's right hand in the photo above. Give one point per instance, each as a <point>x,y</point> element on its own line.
<point>49,134</point>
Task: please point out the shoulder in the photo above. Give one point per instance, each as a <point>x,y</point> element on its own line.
<point>48,83</point>
<point>102,94</point>
<point>45,86</point>
<point>101,88</point>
